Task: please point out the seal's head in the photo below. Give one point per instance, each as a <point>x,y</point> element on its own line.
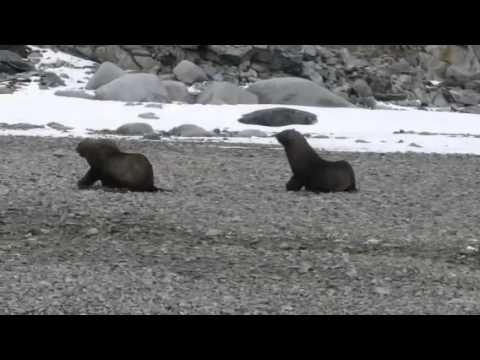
<point>90,148</point>
<point>287,136</point>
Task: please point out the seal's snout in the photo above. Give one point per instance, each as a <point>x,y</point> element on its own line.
<point>284,136</point>
<point>280,138</point>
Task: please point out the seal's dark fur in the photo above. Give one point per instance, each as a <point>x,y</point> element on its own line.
<point>310,170</point>
<point>115,169</point>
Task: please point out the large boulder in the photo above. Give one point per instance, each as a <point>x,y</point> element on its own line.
<point>106,73</point>
<point>295,91</point>
<point>12,63</point>
<point>462,62</point>
<point>279,117</point>
<point>458,73</point>
<point>433,68</point>
<point>135,129</point>
<point>134,87</point>
<point>362,89</point>
<point>189,73</point>
<point>189,130</point>
<point>451,54</point>
<point>178,91</point>
<point>465,97</point>
<point>219,93</point>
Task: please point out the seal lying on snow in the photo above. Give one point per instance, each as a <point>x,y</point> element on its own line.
<point>310,170</point>
<point>115,169</point>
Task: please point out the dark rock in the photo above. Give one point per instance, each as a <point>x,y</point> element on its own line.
<point>155,137</point>
<point>178,91</point>
<point>279,117</point>
<point>287,58</point>
<point>20,126</point>
<point>368,102</point>
<point>232,54</point>
<point>380,83</point>
<point>321,136</point>
<point>401,67</point>
<point>12,63</point>
<point>189,130</point>
<point>473,85</point>
<point>465,97</point>
<point>135,129</point>
<point>149,116</point>
<point>390,97</point>
<point>361,88</point>
<point>59,127</point>
<point>50,80</point>
<point>156,106</point>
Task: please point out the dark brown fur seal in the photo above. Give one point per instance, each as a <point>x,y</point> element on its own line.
<point>115,169</point>
<point>310,170</point>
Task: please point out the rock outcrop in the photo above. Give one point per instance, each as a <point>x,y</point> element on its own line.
<point>363,75</point>
<point>277,117</point>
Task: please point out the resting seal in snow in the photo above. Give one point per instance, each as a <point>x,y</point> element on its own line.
<point>115,169</point>
<point>310,170</point>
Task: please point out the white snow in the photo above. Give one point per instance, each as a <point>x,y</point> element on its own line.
<point>377,127</point>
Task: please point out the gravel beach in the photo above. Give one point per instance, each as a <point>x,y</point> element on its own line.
<point>230,240</point>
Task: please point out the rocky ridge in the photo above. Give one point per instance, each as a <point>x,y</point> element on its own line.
<point>440,76</point>
<point>409,75</point>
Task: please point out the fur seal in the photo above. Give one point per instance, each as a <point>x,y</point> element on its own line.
<point>114,168</point>
<point>310,170</point>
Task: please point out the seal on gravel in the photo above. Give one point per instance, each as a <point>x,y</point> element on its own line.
<point>310,170</point>
<point>115,169</point>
